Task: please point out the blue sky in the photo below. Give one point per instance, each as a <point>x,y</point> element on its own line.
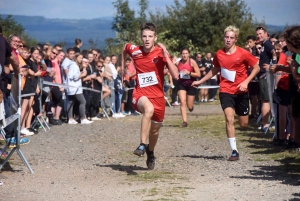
<point>275,12</point>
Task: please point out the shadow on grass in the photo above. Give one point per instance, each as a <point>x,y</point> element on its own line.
<point>129,169</point>
<point>205,157</point>
<point>287,172</point>
<point>7,167</point>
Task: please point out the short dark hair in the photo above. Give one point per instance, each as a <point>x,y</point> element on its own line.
<point>274,35</point>
<point>261,28</point>
<point>70,50</point>
<point>150,26</point>
<point>251,38</point>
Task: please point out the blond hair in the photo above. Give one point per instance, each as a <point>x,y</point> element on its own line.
<point>233,29</point>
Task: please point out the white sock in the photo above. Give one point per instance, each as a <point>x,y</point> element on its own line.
<point>232,143</point>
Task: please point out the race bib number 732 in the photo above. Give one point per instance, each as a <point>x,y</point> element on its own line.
<point>147,79</point>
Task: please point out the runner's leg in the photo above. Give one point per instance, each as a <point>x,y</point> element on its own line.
<point>146,108</point>
<point>153,134</point>
<point>182,97</point>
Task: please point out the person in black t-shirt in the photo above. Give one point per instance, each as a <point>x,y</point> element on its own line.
<point>198,59</point>
<point>207,65</point>
<point>95,97</point>
<point>267,56</point>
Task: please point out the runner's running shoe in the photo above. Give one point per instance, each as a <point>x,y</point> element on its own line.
<point>234,156</point>
<point>150,159</point>
<point>140,151</point>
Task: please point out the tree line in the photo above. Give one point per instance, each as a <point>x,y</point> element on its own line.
<point>196,24</point>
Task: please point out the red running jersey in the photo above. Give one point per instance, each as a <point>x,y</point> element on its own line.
<point>237,62</point>
<point>154,62</point>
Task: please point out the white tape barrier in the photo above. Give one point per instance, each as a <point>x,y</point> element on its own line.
<point>208,87</point>
<point>66,86</point>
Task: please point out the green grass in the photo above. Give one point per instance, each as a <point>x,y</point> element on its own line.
<point>155,176</point>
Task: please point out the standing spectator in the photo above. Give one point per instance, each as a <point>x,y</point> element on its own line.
<point>8,56</point>
<point>267,56</point>
<point>78,44</point>
<point>75,94</point>
<point>175,61</point>
<point>56,91</point>
<point>206,67</point>
<point>198,60</point>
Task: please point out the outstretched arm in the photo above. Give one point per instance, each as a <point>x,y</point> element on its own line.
<point>209,75</point>
<point>172,68</point>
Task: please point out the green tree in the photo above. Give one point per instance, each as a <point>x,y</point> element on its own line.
<point>10,26</point>
<point>126,24</point>
<point>199,24</point>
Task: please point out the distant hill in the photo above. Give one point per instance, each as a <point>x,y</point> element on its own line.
<point>56,30</point>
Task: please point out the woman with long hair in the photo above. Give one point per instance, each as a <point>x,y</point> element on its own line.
<point>78,44</point>
<point>188,72</point>
<point>31,86</point>
<point>76,94</point>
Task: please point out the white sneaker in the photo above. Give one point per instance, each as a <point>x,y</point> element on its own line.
<point>121,115</point>
<point>96,118</point>
<point>115,115</point>
<point>85,121</point>
<point>26,132</point>
<point>72,121</point>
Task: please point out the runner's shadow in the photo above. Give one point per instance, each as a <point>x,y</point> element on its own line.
<point>171,125</point>
<point>129,169</point>
<point>205,157</point>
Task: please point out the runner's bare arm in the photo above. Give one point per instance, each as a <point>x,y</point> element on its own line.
<point>209,75</point>
<point>244,85</point>
<point>196,72</point>
<point>124,54</point>
<point>172,68</point>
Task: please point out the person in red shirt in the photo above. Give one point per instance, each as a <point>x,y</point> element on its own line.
<point>233,61</point>
<point>148,94</point>
<point>188,72</point>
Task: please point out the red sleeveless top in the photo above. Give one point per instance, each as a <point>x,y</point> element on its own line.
<point>187,66</point>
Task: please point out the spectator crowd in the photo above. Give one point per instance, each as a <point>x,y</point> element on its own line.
<point>111,89</point>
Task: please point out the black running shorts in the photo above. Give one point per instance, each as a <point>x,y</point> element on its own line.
<point>191,91</point>
<point>239,102</point>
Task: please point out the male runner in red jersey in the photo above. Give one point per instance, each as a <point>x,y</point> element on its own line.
<point>148,94</point>
<point>233,63</point>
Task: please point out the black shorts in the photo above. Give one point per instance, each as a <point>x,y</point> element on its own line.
<point>253,88</point>
<point>263,89</point>
<point>191,91</point>
<point>295,102</point>
<point>282,97</point>
<point>239,102</point>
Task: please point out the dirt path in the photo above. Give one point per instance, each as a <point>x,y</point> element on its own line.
<point>95,162</point>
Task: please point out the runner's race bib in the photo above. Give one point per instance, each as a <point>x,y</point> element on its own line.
<point>147,79</point>
<point>184,76</point>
